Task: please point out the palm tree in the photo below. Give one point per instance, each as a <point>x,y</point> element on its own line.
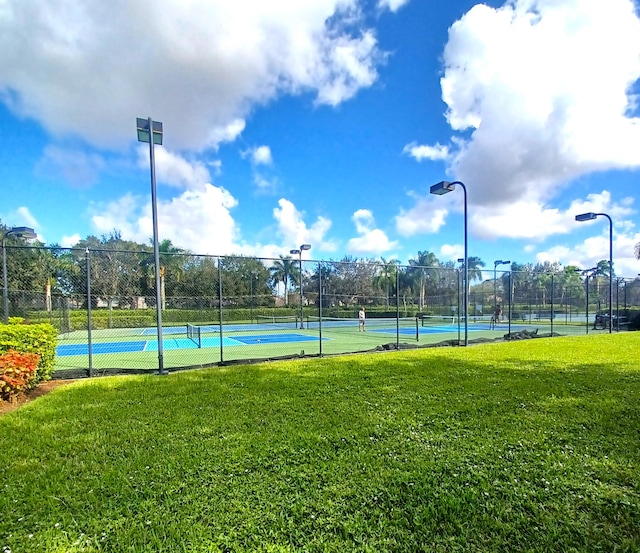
<point>475,268</point>
<point>387,276</point>
<point>420,270</point>
<point>171,264</point>
<point>284,270</point>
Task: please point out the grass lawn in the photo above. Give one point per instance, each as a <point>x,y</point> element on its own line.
<point>526,446</point>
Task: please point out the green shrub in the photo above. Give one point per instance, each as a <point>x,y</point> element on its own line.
<point>40,339</point>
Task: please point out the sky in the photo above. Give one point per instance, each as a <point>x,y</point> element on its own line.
<point>325,122</point>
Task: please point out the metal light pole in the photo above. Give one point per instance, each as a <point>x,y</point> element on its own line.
<point>298,252</point>
<point>495,279</point>
<point>439,189</point>
<point>19,232</point>
<point>461,261</point>
<point>151,132</point>
<point>589,217</point>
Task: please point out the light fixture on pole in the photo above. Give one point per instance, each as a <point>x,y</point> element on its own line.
<point>150,131</point>
<point>298,252</point>
<point>439,189</point>
<point>18,232</point>
<point>495,279</point>
<point>588,217</point>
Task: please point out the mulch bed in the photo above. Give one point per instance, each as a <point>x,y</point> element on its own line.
<point>40,390</point>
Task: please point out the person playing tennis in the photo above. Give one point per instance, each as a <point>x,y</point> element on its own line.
<point>361,319</point>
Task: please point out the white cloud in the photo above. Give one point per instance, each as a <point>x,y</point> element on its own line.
<point>175,170</point>
<point>21,217</point>
<point>198,220</point>
<point>202,221</point>
<point>535,221</point>
<point>371,240</point>
<point>293,230</point>
<point>70,241</point>
<point>392,5</point>
<point>79,168</point>
<point>210,63</point>
<point>24,214</point>
<point>265,184</point>
<point>424,217</point>
<point>260,158</point>
<point>261,155</point>
<point>452,252</point>
<point>596,248</point>
<point>543,88</point>
<point>433,153</point>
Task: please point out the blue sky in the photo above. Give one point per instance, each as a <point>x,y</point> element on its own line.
<point>326,122</point>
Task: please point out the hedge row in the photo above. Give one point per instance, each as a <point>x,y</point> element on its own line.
<point>146,318</point>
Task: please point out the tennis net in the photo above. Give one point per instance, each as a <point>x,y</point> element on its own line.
<point>380,324</point>
<point>278,321</point>
<point>437,320</point>
<point>194,333</point>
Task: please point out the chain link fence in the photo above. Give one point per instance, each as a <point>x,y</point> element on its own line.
<point>224,309</point>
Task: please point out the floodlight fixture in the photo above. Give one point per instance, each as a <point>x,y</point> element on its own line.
<point>443,187</point>
<point>586,216</point>
<point>143,128</point>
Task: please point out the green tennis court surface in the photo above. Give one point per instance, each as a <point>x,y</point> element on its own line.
<point>197,345</point>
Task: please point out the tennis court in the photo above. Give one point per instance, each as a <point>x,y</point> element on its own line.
<point>180,343</point>
<point>270,337</point>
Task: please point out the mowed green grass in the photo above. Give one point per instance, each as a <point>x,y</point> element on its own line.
<point>526,446</point>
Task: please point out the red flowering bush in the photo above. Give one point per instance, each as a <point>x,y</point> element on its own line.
<point>17,370</point>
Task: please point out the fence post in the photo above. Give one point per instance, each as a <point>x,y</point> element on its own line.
<point>397,309</point>
<point>220,307</point>
<point>510,299</point>
<point>552,292</point>
<point>89,344</point>
<point>319,306</point>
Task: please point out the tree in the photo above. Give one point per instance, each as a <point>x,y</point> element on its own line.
<point>117,268</point>
<point>386,278</point>
<point>199,285</point>
<point>171,268</point>
<point>284,270</point>
<point>475,268</point>
<point>27,270</point>
<point>244,279</point>
<point>424,269</point>
<point>406,282</point>
<point>324,275</point>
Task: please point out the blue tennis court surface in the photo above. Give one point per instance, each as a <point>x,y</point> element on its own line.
<point>101,347</point>
<point>66,350</point>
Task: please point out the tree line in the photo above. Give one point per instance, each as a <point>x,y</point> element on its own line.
<point>121,272</point>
